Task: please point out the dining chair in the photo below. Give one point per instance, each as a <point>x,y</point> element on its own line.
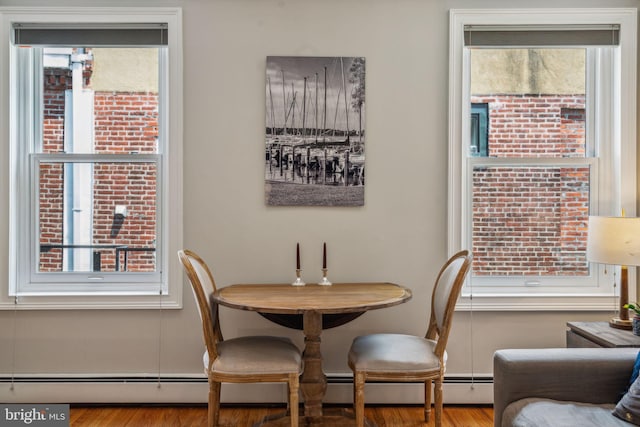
<point>248,359</point>
<point>409,358</point>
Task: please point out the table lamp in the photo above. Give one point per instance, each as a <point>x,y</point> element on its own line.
<point>616,241</point>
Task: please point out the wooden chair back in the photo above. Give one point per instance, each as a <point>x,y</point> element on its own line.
<point>444,297</point>
<point>203,286</point>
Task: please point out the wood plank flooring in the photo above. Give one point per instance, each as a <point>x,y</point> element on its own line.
<point>236,416</point>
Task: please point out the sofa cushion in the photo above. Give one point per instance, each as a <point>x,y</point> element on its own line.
<point>636,370</point>
<point>628,408</point>
<point>536,412</point>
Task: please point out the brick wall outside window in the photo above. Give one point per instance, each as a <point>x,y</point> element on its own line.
<point>124,122</point>
<point>532,220</point>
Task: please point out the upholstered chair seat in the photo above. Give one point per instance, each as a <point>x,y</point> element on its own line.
<point>255,355</point>
<point>394,352</point>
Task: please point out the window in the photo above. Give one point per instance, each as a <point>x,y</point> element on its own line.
<point>479,137</point>
<point>95,152</point>
<point>549,113</point>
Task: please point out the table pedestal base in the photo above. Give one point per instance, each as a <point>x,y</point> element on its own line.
<point>331,417</point>
<point>313,385</point>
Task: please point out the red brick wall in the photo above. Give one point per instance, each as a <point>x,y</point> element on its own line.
<point>125,122</point>
<point>51,176</point>
<point>532,220</point>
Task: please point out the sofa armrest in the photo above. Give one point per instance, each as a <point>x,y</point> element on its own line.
<point>590,375</point>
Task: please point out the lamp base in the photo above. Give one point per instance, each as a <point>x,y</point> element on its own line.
<point>618,323</point>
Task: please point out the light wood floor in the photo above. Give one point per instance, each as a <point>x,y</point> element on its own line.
<point>231,416</point>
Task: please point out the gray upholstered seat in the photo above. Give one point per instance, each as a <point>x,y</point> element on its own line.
<point>243,359</point>
<point>556,413</point>
<point>256,355</point>
<point>398,357</point>
<point>395,352</point>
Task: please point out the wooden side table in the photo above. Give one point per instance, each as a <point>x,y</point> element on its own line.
<point>599,334</point>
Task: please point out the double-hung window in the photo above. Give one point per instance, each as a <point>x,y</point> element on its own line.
<point>95,152</point>
<point>542,135</point>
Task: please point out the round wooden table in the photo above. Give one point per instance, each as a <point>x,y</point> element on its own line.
<point>312,302</point>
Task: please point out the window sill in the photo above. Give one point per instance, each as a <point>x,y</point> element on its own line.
<point>539,302</point>
<point>85,302</point>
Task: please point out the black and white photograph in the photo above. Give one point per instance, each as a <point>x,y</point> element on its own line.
<point>315,131</point>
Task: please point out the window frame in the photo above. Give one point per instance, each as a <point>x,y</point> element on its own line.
<point>164,290</point>
<point>598,295</point>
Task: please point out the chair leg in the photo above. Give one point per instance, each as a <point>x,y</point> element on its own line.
<point>294,385</point>
<point>214,403</point>
<point>438,401</point>
<point>427,401</point>
<point>358,394</point>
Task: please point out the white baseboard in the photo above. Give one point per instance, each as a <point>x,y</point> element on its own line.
<point>194,390</point>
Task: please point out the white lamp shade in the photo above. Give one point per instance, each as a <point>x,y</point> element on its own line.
<point>614,240</point>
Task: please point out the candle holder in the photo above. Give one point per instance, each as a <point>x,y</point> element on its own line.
<point>298,281</point>
<point>324,281</point>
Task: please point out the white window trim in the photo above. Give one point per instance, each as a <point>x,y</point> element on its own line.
<point>171,229</point>
<point>599,298</point>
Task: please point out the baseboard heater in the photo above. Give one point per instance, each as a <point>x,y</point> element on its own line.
<point>178,389</point>
<point>341,379</point>
<point>331,379</point>
<point>103,379</point>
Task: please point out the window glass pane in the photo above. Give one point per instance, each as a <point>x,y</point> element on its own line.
<point>479,134</point>
<point>530,220</point>
<point>115,94</point>
<point>535,98</point>
<point>97,216</point>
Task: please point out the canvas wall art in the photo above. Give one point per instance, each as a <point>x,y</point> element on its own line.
<point>315,133</point>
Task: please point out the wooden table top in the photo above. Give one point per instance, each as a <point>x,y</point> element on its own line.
<point>604,335</point>
<point>288,299</point>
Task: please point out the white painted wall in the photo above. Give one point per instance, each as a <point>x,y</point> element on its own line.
<point>399,235</point>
